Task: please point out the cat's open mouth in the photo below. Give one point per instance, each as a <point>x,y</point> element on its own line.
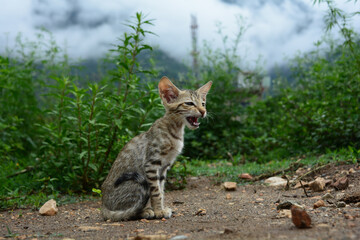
<point>193,121</point>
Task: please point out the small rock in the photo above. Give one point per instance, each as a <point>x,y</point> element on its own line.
<point>351,170</point>
<point>200,212</point>
<point>286,205</point>
<point>319,203</point>
<point>339,196</point>
<point>351,198</point>
<point>230,186</point>
<point>340,204</point>
<point>348,216</point>
<point>259,200</point>
<point>357,204</point>
<point>327,196</point>
<point>323,225</point>
<point>90,228</point>
<point>300,218</point>
<point>228,231</point>
<point>245,176</point>
<point>318,185</point>
<point>341,183</point>
<point>49,208</point>
<point>151,237</point>
<point>228,196</point>
<point>276,182</point>
<point>179,237</point>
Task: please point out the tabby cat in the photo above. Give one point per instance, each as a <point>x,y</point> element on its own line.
<point>134,187</point>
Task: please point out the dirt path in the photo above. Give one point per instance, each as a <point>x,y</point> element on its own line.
<point>247,213</point>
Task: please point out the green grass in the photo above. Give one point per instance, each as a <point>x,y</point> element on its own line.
<point>18,191</point>
<point>224,170</point>
<point>27,191</point>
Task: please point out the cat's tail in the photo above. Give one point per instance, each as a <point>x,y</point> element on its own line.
<point>138,198</point>
<point>120,215</point>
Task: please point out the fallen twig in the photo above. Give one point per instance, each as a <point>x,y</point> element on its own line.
<point>230,156</point>
<point>303,189</point>
<point>27,169</point>
<point>293,167</point>
<point>308,173</point>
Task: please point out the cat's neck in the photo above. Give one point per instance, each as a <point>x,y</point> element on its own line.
<point>174,123</point>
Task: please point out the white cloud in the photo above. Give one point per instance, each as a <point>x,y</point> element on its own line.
<point>278,27</point>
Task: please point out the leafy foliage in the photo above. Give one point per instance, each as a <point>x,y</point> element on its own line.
<point>88,126</point>
<point>75,130</point>
<point>66,131</point>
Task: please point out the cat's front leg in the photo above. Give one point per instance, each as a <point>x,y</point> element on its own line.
<point>156,193</point>
<point>147,212</point>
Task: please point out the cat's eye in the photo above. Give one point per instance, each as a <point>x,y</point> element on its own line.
<point>189,103</point>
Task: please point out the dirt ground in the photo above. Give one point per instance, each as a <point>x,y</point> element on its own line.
<point>204,210</point>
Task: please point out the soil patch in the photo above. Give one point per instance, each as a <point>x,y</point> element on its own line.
<point>204,210</point>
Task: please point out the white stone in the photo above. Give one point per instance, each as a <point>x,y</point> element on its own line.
<point>49,208</point>
<point>276,182</point>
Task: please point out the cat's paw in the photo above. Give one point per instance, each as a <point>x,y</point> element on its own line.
<point>147,213</point>
<point>164,213</point>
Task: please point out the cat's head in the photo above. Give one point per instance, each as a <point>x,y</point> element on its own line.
<point>187,105</point>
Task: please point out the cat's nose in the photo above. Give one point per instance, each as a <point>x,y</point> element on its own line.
<point>202,112</point>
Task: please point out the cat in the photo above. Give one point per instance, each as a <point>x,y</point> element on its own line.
<point>134,187</point>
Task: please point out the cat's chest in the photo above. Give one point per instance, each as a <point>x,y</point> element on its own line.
<point>175,151</point>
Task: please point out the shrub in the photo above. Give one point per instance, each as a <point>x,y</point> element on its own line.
<point>88,126</point>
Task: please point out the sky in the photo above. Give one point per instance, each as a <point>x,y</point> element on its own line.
<point>276,29</point>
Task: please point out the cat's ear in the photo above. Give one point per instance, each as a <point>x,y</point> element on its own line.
<point>203,91</point>
<point>168,91</point>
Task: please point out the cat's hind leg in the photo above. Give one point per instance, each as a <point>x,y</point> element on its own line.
<point>127,198</point>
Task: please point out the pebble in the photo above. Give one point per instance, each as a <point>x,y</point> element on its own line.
<point>90,228</point>
<point>351,170</point>
<point>318,185</point>
<point>323,225</point>
<point>319,203</point>
<point>357,204</point>
<point>276,182</point>
<point>49,208</point>
<point>230,186</point>
<point>286,205</point>
<point>200,212</point>
<point>341,183</point>
<point>228,231</point>
<point>340,204</point>
<point>152,237</point>
<point>299,217</point>
<point>179,237</point>
<point>245,176</point>
<point>339,196</point>
<point>327,196</point>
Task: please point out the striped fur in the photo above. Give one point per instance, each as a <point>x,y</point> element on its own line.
<point>134,187</point>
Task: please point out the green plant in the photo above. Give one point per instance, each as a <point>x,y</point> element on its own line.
<point>88,126</point>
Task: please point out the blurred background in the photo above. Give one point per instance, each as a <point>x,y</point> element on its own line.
<point>78,80</point>
<point>275,28</point>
